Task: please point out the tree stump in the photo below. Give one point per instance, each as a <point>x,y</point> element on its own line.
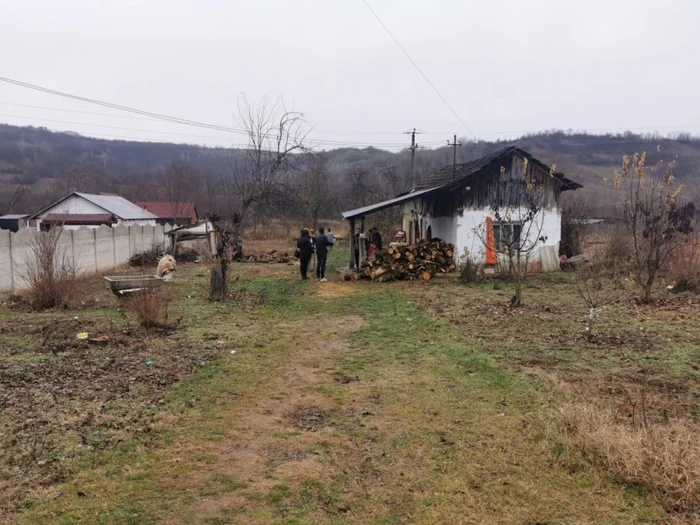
<point>218,281</point>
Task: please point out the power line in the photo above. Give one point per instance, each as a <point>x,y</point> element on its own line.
<point>115,127</point>
<point>425,77</point>
<point>119,107</point>
<point>176,120</point>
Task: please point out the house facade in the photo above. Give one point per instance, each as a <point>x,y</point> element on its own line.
<point>486,207</point>
<point>92,210</point>
<point>172,213</point>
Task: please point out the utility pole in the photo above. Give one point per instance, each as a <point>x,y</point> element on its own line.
<point>454,155</point>
<point>413,149</point>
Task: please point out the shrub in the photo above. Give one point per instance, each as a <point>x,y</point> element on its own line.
<point>49,275</point>
<point>664,458</point>
<point>469,272</point>
<point>151,307</point>
<point>684,266</point>
<point>574,212</point>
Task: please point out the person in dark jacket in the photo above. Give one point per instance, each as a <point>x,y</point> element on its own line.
<point>305,250</point>
<point>377,239</point>
<point>322,245</point>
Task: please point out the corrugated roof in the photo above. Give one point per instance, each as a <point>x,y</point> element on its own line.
<point>118,206</point>
<point>359,212</point>
<point>168,210</point>
<point>80,218</point>
<point>445,176</point>
<point>202,228</point>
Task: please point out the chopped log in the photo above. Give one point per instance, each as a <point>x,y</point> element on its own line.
<point>426,276</point>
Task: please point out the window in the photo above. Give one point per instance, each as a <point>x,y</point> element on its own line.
<point>505,235</point>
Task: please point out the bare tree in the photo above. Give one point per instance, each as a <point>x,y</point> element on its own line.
<point>312,189</point>
<point>654,220</point>
<point>516,232</point>
<point>80,177</point>
<point>575,211</point>
<point>179,184</point>
<point>361,185</point>
<point>16,196</point>
<point>261,169</point>
<point>598,284</point>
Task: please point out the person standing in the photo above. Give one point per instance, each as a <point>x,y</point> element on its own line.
<point>305,249</point>
<point>377,239</point>
<point>322,245</point>
<point>331,239</point>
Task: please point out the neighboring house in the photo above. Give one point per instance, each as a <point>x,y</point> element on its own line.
<point>172,213</point>
<point>13,223</point>
<point>457,206</point>
<point>91,210</point>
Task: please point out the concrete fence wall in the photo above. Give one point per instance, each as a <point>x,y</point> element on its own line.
<point>89,250</point>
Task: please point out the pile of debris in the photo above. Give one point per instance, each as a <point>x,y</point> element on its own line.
<point>270,257</point>
<point>407,262</point>
<point>149,257</point>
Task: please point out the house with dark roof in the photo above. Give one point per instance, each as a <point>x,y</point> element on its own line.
<point>92,210</point>
<point>481,207</point>
<point>172,213</point>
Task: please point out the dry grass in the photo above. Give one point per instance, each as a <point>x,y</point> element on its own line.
<point>662,458</point>
<point>684,267</point>
<point>275,229</point>
<point>151,307</point>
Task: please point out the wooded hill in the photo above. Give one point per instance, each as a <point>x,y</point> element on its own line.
<point>37,165</point>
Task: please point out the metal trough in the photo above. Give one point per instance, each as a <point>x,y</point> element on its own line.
<point>126,284</point>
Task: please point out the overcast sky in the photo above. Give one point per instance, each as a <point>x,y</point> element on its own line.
<point>505,66</point>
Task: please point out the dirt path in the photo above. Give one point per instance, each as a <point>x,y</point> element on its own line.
<point>279,436</point>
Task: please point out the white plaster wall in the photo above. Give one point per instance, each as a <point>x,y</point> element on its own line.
<point>466,231</point>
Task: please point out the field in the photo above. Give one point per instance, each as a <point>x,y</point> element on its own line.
<point>326,403</point>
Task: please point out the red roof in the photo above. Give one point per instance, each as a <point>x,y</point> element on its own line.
<point>169,210</point>
<point>80,218</point>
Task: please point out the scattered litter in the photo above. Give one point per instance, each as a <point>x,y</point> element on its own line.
<point>149,363</point>
<point>220,342</point>
<point>233,351</point>
<point>100,339</point>
<point>81,335</point>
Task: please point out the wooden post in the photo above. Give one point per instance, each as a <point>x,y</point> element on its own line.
<point>352,244</point>
<point>363,241</point>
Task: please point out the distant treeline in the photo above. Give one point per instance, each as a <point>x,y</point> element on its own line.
<point>37,165</point>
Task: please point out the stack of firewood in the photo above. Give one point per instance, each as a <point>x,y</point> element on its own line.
<point>270,257</point>
<point>408,262</point>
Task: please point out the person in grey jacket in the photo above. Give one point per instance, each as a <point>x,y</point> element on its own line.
<point>331,239</point>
